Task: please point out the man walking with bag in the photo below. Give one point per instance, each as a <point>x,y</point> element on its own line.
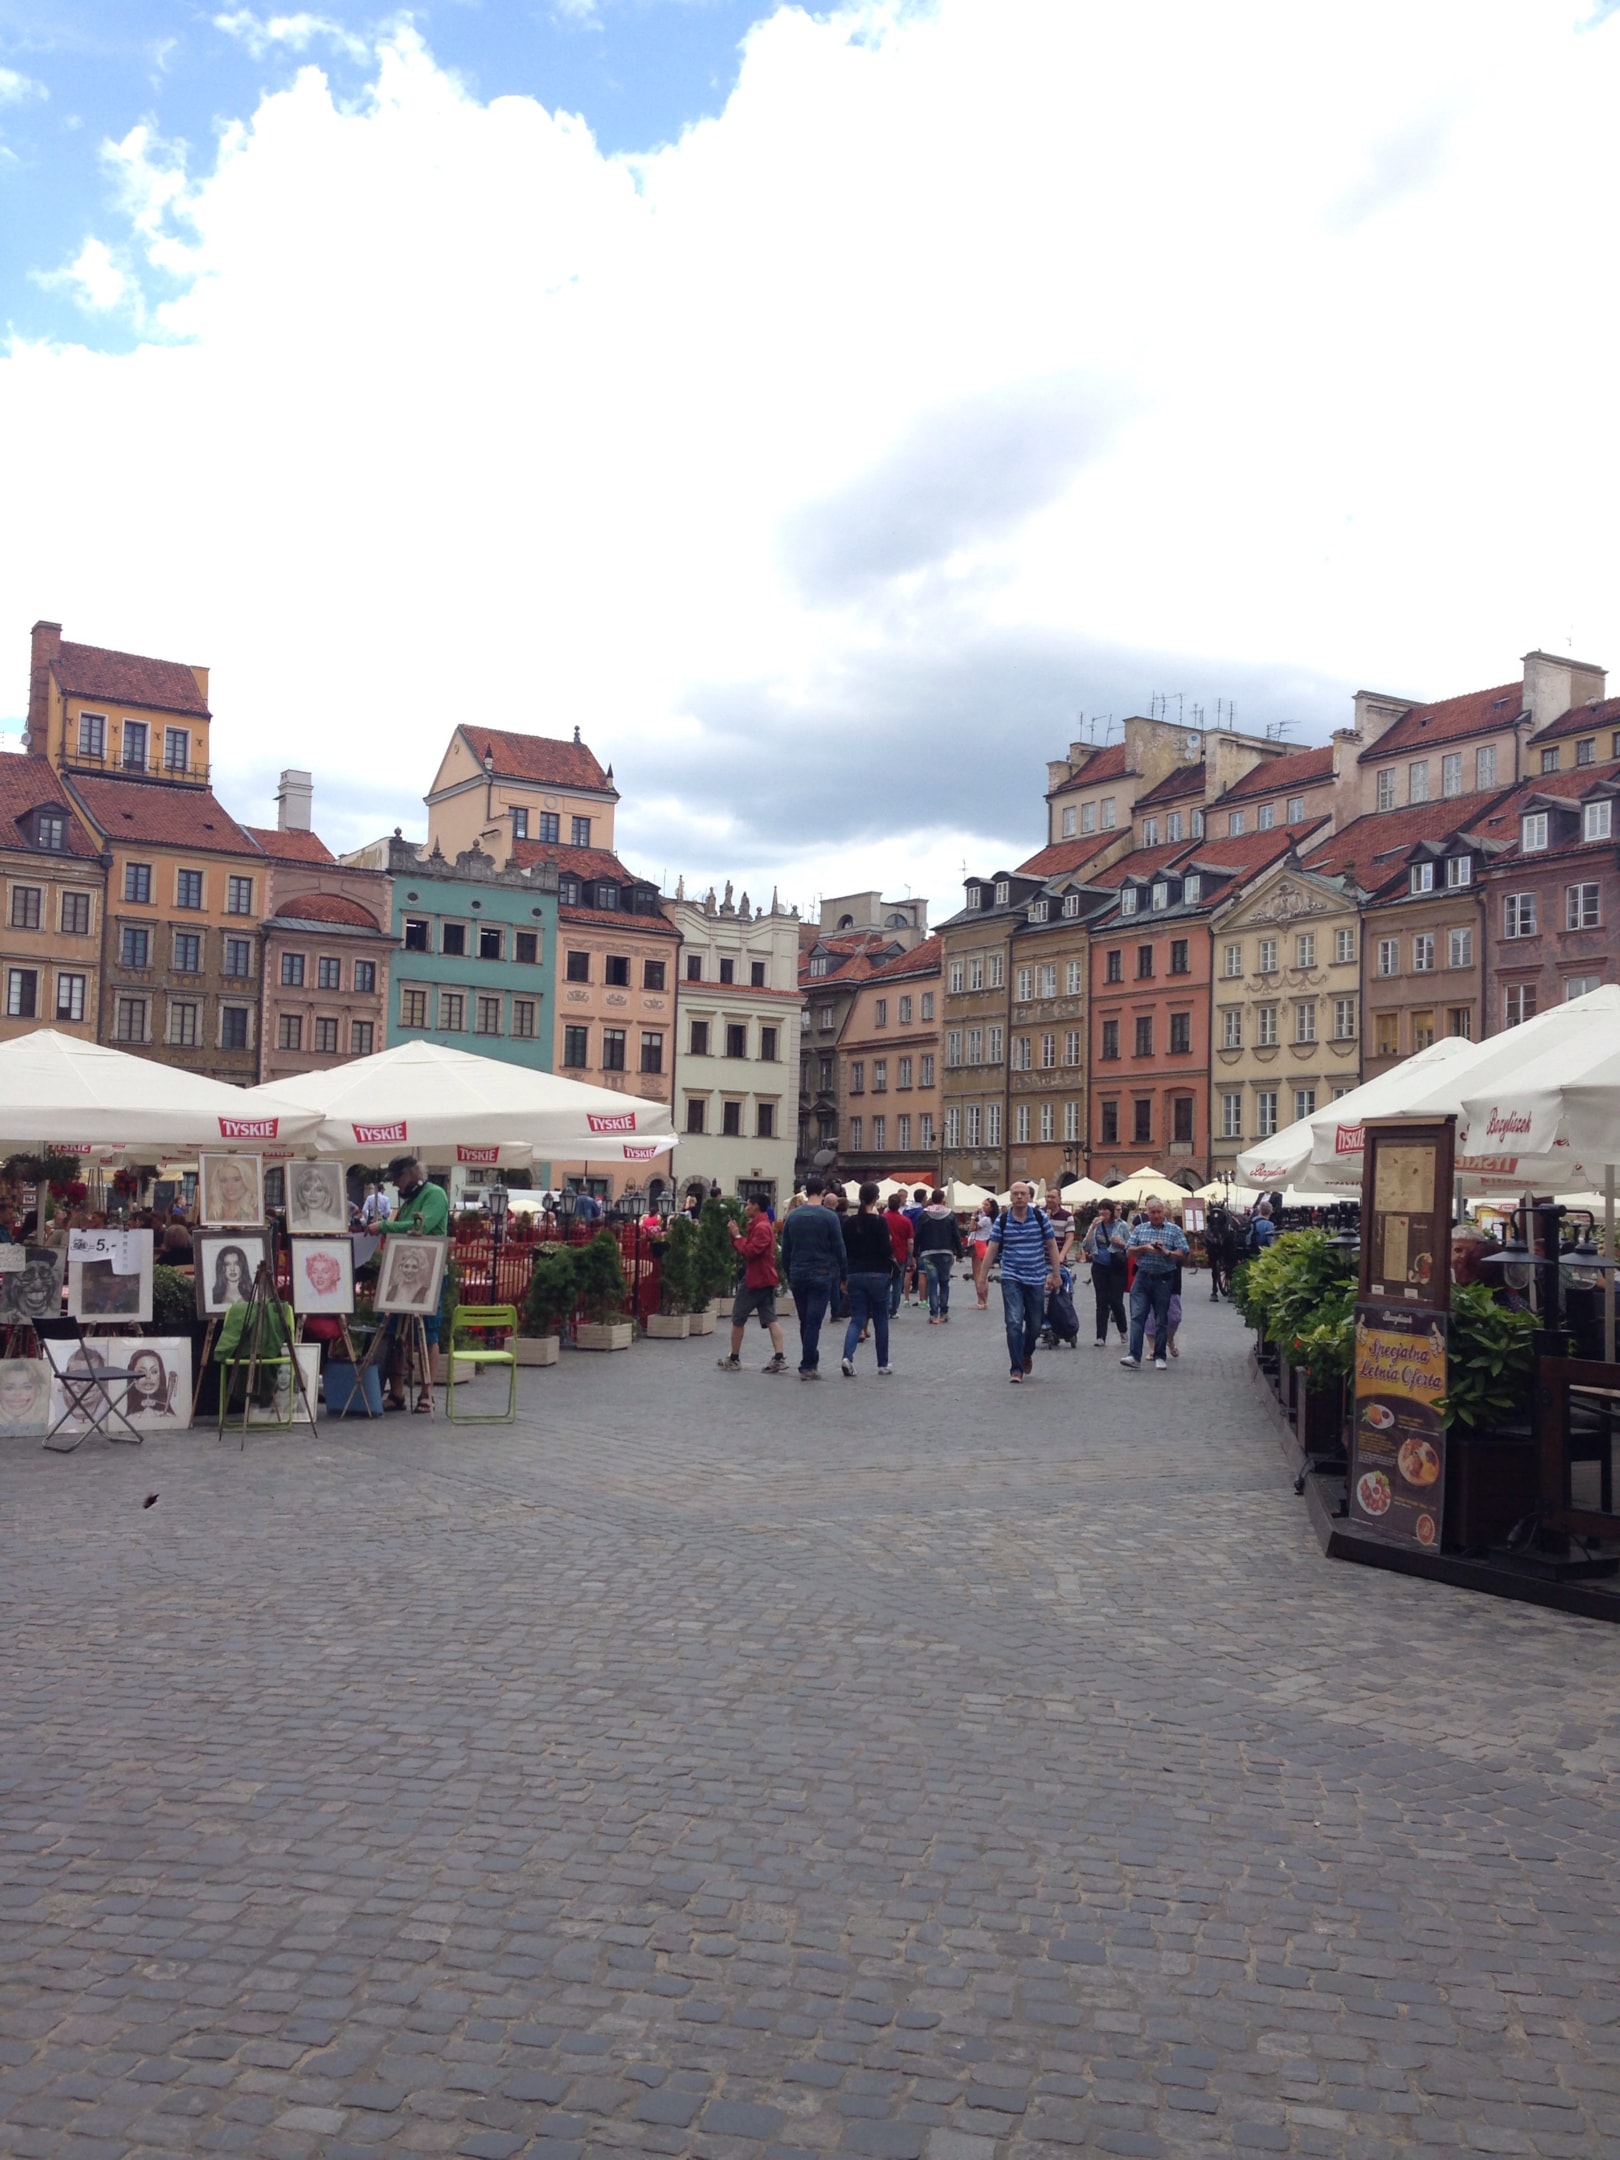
<point>1023,1237</point>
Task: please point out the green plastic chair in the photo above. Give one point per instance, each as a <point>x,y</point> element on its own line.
<point>275,1356</point>
<point>482,1316</point>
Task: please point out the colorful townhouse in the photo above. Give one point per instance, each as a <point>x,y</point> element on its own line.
<point>53,888</point>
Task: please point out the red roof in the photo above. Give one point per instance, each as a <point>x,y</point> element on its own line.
<point>620,919</point>
<point>924,959</point>
<point>1142,862</point>
<point>122,678</point>
<point>1064,856</point>
<point>1180,780</point>
<point>27,784</point>
<point>290,844</point>
<point>328,907</point>
<point>580,862</point>
<point>1501,823</point>
<point>543,760</point>
<point>1373,848</point>
<point>157,814</point>
<point>1106,764</point>
<point>1476,713</point>
<point>1248,853</point>
<point>1579,720</point>
<point>1280,776</point>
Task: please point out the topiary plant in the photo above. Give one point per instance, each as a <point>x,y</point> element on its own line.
<point>677,1269</point>
<point>553,1291</point>
<point>716,1255</point>
<point>601,1278</point>
<point>174,1302</point>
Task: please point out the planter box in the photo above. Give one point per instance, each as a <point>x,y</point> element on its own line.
<point>1319,1420</point>
<point>535,1349</point>
<point>609,1335</point>
<point>700,1323</point>
<point>720,1307</point>
<point>668,1327</point>
<point>1491,1482</point>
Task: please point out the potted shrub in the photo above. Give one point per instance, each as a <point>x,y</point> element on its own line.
<point>674,1317</point>
<point>1493,1471</point>
<point>1322,1351</point>
<point>552,1294</point>
<point>602,1288</point>
<point>716,1255</point>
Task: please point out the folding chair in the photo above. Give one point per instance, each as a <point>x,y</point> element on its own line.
<point>481,1316</point>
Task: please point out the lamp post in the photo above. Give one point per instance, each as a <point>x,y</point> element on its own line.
<point>628,1208</point>
<point>567,1202</point>
<point>496,1200</point>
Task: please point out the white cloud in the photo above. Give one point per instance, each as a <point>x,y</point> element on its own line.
<point>292,33</point>
<point>984,362</point>
<point>92,278</point>
<point>17,89</point>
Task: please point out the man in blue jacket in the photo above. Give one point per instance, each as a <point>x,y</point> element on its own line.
<point>814,1263</point>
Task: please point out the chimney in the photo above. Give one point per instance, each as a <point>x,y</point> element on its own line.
<point>47,644</point>
<point>293,800</point>
<point>1376,713</point>
<point>1553,685</point>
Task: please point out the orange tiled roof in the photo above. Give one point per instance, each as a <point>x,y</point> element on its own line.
<point>27,784</point>
<point>1369,849</point>
<point>580,862</point>
<point>122,678</point>
<point>291,844</point>
<point>156,814</point>
<point>1060,857</point>
<point>1278,776</point>
<point>923,959</point>
<point>620,919</point>
<point>1580,720</point>
<point>1248,853</point>
<point>1475,713</point>
<point>1142,862</point>
<point>542,760</point>
<point>1106,764</point>
<point>1179,781</point>
<point>328,908</point>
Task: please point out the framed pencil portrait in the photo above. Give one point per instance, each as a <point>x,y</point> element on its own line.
<point>322,1275</point>
<point>232,1190</point>
<point>410,1275</point>
<point>317,1199</point>
<point>225,1263</point>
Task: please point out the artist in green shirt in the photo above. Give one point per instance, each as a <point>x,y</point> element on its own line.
<point>423,1210</point>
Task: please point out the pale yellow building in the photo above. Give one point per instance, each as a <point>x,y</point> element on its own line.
<point>494,789</point>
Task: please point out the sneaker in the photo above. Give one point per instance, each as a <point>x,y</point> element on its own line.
<point>777,1364</point>
<point>1161,1364</point>
<point>1016,1378</point>
<point>729,1364</point>
<point>1029,1366</point>
<point>809,1372</point>
<point>1132,1362</point>
<point>847,1367</point>
<point>885,1372</point>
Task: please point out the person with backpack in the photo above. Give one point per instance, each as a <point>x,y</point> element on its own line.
<point>1158,1247</point>
<point>1023,1239</point>
<point>938,1241</point>
<point>1104,1246</point>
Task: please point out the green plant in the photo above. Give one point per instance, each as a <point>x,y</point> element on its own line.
<point>1490,1360</point>
<point>677,1270</point>
<point>600,1276</point>
<point>174,1302</point>
<point>716,1256</point>
<point>1301,1281</point>
<point>1327,1348</point>
<point>553,1291</point>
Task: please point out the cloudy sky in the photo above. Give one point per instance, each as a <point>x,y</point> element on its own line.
<point>822,409</point>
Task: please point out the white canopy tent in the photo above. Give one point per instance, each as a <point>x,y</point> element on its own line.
<point>1083,1190</point>
<point>446,1105</point>
<point>72,1097</point>
<point>1549,1092</point>
<point>1148,1184</point>
<point>959,1197</point>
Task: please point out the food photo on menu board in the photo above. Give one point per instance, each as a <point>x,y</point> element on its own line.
<point>1398,1451</point>
<point>109,1275</point>
<point>232,1190</point>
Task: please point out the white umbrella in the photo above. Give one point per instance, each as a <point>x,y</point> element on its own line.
<point>421,1098</point>
<point>81,1098</point>
<point>1546,1095</point>
<point>1082,1190</point>
<point>1147,1184</point>
<point>1333,1135</point>
<point>959,1197</point>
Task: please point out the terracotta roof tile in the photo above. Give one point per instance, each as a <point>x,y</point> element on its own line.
<point>1501,822</point>
<point>923,959</point>
<point>284,844</point>
<point>542,760</point>
<point>1106,764</point>
<point>1060,857</point>
<point>1372,849</point>
<point>1248,853</point>
<point>580,862</point>
<point>159,814</point>
<point>122,678</point>
<point>1279,776</point>
<point>328,908</point>
<point>620,919</point>
<point>1475,713</point>
<point>1179,781</point>
<point>1580,720</point>
<point>29,783</point>
<point>1142,862</point>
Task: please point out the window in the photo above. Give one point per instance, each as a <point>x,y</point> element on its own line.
<point>953,1127</point>
<point>880,1013</point>
<point>1181,1120</point>
<point>290,1035</point>
<point>365,975</point>
<point>239,957</point>
<point>75,914</point>
<point>1234,823</point>
<point>1114,967</point>
<point>135,949</point>
<point>1581,907</point>
<point>953,1047</point>
<point>1519,915</point>
<point>550,832</point>
<point>697,1107</point>
<point>1268,816</point>
<point>1266,1025</point>
<point>736,1039</point>
<point>1265,1113</point>
<point>767,1045</point>
<point>1451,773</point>
<point>1144,962</point>
<point>234,1025</point>
<point>1048,1124</point>
<point>452,1011</point>
<point>1108,818</point>
<point>728,971</point>
<point>490,941</point>
<point>22,994</point>
<point>1389,956</point>
<point>1389,1034</point>
<point>1003,891</point>
<point>1344,1019</point>
<point>1023,986</point>
<point>579,967</point>
<point>70,997</point>
<point>25,906</point>
<point>613,1049</point>
<point>1459,871</point>
<point>1344,947</point>
<point>975,1125</point>
<point>292,971</point>
<point>362,1034</point>
<point>523,1016</point>
<point>1305,1023</point>
<point>1232,961</point>
<point>857,1077</point>
<point>1423,953</point>
<point>1232,1115</point>
<point>1296,809</point>
<point>1071,1121</point>
<point>520,824</point>
<point>1417,781</point>
<point>1071,979</point>
<point>239,896</point>
<point>1088,817</point>
<point>1459,948</point>
<point>1304,1102</point>
<point>1518,1004</point>
<point>1144,1035</point>
<point>1533,831</point>
<point>183,1019</point>
<point>905,1012</point>
<point>138,882</point>
<point>1021,1124</point>
<point>413,1009</point>
<point>1110,1041</point>
<point>329,973</point>
<point>187,952</point>
<point>576,1051</point>
<point>1048,981</point>
<point>927,1011</point>
<point>1068,823</point>
<point>1109,1124</point>
<point>176,749</point>
<point>1386,789</point>
<point>880,1076</point>
<point>1485,766</point>
<point>652,1051</point>
<point>616,971</point>
<point>579,831</point>
<point>765,1124</point>
<point>1161,895</point>
<point>1192,889</point>
<point>1198,825</point>
<point>975,1046</point>
<point>1597,820</point>
<point>568,891</point>
<point>1549,760</point>
<point>925,1071</point>
<point>992,1125</point>
<point>416,934</point>
<point>486,1016</point>
<point>326,1038</point>
<point>975,974</point>
<point>925,1130</point>
<point>1180,1033</point>
<point>1150,832</point>
<point>50,831</point>
<point>1305,949</point>
<point>756,974</point>
<point>129,1020</point>
<point>134,746</point>
<point>1420,878</point>
<point>1578,985</point>
<point>1142,1120</point>
<point>1460,1022</point>
<point>607,896</point>
<point>1268,956</point>
<point>453,940</point>
<point>1422,1030</point>
<point>92,735</point>
<point>956,978</point>
<point>1232,1027</point>
<point>698,1040</point>
<point>1127,900</point>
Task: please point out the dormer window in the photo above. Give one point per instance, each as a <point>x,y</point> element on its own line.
<point>1459,870</point>
<point>975,896</point>
<point>1597,820</point>
<point>1234,824</point>
<point>607,896</point>
<point>568,891</point>
<point>820,964</point>
<point>1422,877</point>
<point>50,830</point>
<point>1533,831</point>
<point>1127,900</point>
<point>1161,896</point>
<point>1071,903</point>
<point>1191,889</point>
<point>1198,824</point>
<point>1040,911</point>
<point>1003,892</point>
<point>1150,832</point>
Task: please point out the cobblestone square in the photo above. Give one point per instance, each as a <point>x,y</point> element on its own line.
<point>913,1769</point>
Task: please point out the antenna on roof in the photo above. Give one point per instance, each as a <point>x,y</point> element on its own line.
<point>1277,730</point>
<point>1198,716</point>
<point>1156,705</point>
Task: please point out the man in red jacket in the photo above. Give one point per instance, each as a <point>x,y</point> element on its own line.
<point>900,1237</point>
<point>756,1246</point>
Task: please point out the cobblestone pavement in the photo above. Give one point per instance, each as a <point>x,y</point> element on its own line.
<point>717,1765</point>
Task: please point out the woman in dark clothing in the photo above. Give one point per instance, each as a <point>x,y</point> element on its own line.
<point>1103,1246</point>
<point>871,1257</point>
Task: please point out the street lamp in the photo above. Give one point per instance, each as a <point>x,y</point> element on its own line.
<point>496,1200</point>
<point>567,1203</point>
<point>665,1204</point>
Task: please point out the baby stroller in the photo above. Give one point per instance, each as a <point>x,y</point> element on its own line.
<point>1062,1327</point>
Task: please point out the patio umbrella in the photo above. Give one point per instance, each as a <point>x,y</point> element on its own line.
<point>1335,1132</point>
<point>1082,1190</point>
<point>1147,1184</point>
<point>959,1197</point>
<point>425,1099</point>
<point>1547,1094</point>
<point>82,1098</point>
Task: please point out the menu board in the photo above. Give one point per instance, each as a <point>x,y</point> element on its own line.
<point>1406,1212</point>
<point>1398,1444</point>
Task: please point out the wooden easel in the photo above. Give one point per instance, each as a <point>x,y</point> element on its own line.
<point>417,1355</point>
<point>263,1296</point>
<point>357,1365</point>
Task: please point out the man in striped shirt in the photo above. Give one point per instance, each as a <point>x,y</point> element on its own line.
<point>1023,1238</point>
<point>1158,1247</point>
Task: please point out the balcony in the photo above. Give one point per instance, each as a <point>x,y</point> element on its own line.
<point>117,768</point>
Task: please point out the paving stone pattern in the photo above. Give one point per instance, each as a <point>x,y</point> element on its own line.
<point>918,1769</point>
